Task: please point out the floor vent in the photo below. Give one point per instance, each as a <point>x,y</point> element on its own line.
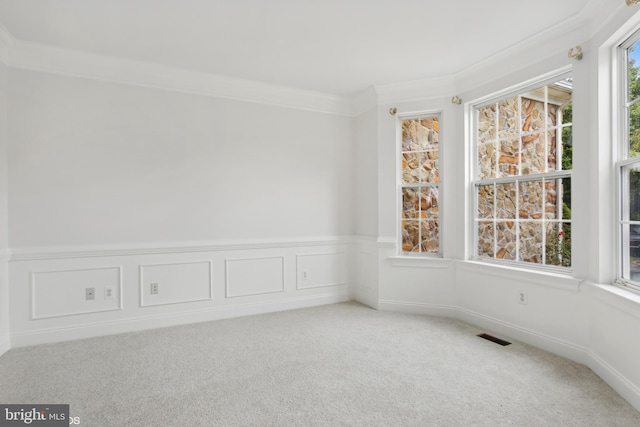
<point>494,339</point>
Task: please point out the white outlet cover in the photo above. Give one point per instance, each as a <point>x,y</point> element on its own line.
<point>522,298</point>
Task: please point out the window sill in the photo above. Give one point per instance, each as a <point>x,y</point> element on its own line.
<point>618,297</point>
<point>420,262</point>
<point>535,277</point>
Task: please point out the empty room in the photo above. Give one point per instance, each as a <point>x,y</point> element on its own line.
<point>294,213</point>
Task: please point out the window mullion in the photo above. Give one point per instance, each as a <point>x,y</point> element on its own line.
<point>531,120</point>
<point>420,165</point>
<point>524,178</point>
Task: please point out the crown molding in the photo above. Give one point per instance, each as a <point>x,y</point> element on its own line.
<point>550,43</point>
<point>416,90</point>
<point>365,101</point>
<point>67,62</point>
<point>563,35</point>
<point>600,13</point>
<point>45,58</point>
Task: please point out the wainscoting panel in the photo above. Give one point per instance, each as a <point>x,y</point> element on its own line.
<point>78,291</point>
<point>192,282</point>
<point>320,270</point>
<point>254,276</point>
<point>175,283</point>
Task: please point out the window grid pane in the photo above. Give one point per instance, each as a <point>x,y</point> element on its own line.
<point>419,184</point>
<point>630,222</point>
<point>629,170</point>
<point>522,197</point>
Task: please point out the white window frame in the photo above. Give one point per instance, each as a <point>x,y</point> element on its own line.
<point>622,162</point>
<point>400,185</point>
<point>516,180</point>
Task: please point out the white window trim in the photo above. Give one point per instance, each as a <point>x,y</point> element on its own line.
<point>472,230</point>
<point>399,185</point>
<point>620,130</point>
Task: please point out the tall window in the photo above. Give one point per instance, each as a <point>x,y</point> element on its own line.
<point>419,184</point>
<point>522,176</point>
<point>628,166</point>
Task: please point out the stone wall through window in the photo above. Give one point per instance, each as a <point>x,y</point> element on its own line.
<point>523,160</point>
<point>420,181</point>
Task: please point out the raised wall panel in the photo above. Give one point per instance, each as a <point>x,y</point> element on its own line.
<point>63,292</point>
<point>320,270</point>
<point>259,277</point>
<point>254,276</point>
<point>175,283</point>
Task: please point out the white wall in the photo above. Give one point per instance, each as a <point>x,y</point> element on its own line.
<point>230,207</point>
<point>48,301</point>
<point>416,284</point>
<point>102,163</point>
<point>614,314</point>
<point>555,316</point>
<point>254,203</point>
<point>572,315</point>
<point>4,241</point>
<point>365,148</point>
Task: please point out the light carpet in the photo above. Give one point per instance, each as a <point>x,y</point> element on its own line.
<point>334,365</point>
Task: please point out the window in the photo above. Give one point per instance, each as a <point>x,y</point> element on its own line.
<point>522,176</point>
<point>628,166</point>
<point>419,184</point>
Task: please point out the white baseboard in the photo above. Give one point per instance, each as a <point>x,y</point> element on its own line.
<point>5,345</point>
<point>621,384</point>
<point>417,308</point>
<point>546,342</point>
<point>137,324</point>
<point>615,379</point>
<point>366,296</point>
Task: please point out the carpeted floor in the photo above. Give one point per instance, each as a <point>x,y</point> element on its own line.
<point>335,365</point>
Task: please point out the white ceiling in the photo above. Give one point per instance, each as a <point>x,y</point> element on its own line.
<point>339,47</point>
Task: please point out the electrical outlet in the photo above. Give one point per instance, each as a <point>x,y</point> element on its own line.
<point>90,293</point>
<point>108,293</point>
<point>154,289</point>
<point>304,274</point>
<point>522,298</point>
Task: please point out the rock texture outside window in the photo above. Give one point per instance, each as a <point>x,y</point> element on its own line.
<point>420,178</point>
<point>523,185</point>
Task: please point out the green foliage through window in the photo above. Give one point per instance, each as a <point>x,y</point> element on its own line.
<point>634,110</point>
